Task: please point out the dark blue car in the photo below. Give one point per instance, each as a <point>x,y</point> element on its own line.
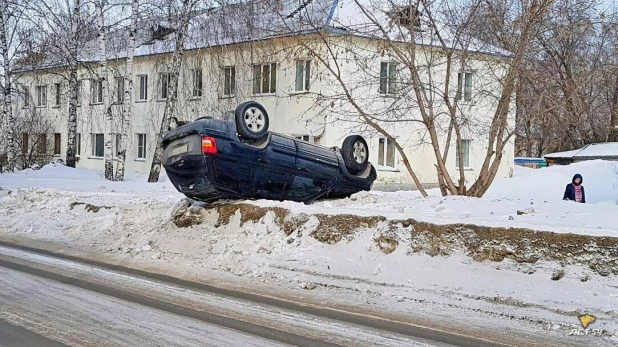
<point>211,159</point>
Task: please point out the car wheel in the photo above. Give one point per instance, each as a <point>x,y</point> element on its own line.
<point>355,153</point>
<point>251,120</point>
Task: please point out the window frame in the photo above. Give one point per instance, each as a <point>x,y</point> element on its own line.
<point>120,89</point>
<point>141,147</point>
<point>96,86</point>
<point>40,92</point>
<point>161,86</point>
<point>94,145</point>
<point>258,78</point>
<point>142,87</point>
<point>229,81</point>
<point>78,144</point>
<point>58,96</point>
<point>197,84</point>
<point>303,67</point>
<point>464,90</point>
<point>466,143</point>
<point>388,81</point>
<point>384,156</point>
<point>57,144</point>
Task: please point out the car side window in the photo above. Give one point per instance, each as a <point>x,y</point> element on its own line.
<point>303,187</point>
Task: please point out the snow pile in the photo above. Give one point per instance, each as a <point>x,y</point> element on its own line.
<point>375,242</point>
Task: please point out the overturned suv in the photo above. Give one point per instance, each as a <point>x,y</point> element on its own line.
<point>210,159</point>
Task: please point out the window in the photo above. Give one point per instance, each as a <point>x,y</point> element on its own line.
<point>197,83</point>
<point>78,144</point>
<point>98,145</point>
<point>467,86</point>
<point>265,78</point>
<point>57,144</point>
<point>41,95</point>
<point>24,143</point>
<point>304,187</point>
<point>303,71</point>
<point>42,143</point>
<point>119,89</point>
<point>26,95</point>
<point>141,146</point>
<point>307,138</point>
<point>229,83</point>
<point>143,87</point>
<point>164,83</point>
<point>58,92</point>
<point>465,144</point>
<point>388,78</point>
<point>97,91</point>
<point>386,153</point>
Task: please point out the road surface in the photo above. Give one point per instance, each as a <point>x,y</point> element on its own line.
<point>55,300</point>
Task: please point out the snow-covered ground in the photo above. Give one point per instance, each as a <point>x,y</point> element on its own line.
<point>373,243</point>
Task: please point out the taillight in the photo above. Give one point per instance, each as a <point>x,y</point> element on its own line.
<point>209,145</point>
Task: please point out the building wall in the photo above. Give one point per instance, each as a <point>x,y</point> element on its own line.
<point>321,112</point>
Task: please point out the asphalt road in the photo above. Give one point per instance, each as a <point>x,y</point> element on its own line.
<point>54,300</point>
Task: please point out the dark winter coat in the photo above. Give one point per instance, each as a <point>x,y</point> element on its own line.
<point>569,192</point>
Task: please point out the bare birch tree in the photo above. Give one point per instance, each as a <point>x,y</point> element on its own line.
<point>7,113</point>
<point>127,111</point>
<point>182,24</point>
<point>104,86</point>
<point>73,65</point>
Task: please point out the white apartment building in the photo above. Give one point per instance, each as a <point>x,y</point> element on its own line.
<point>279,61</point>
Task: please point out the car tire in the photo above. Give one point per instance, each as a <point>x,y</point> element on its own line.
<point>355,153</point>
<point>251,121</point>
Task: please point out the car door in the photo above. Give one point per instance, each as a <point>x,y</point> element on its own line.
<point>273,168</point>
<point>317,162</point>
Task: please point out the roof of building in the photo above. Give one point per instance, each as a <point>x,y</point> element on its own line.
<point>594,150</point>
<point>247,21</point>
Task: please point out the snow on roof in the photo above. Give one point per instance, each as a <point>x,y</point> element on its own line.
<point>257,20</point>
<point>594,150</point>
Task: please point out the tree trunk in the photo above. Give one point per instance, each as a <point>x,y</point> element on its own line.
<point>170,102</point>
<point>127,110</point>
<point>7,112</point>
<point>109,165</point>
<point>72,118</point>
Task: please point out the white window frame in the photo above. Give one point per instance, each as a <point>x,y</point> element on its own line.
<point>302,80</point>
<point>141,146</point>
<point>142,89</point>
<point>229,80</point>
<point>465,89</point>
<point>389,80</point>
<point>304,137</point>
<point>120,88</point>
<point>465,143</point>
<point>384,158</point>
<point>41,95</point>
<point>197,83</point>
<point>93,144</point>
<point>96,90</point>
<point>272,81</point>
<point>78,144</point>
<point>58,94</point>
<point>164,77</point>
